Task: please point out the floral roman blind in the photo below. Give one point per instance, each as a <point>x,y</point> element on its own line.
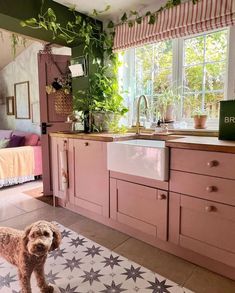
<point>179,21</point>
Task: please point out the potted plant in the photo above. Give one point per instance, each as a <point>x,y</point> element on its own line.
<point>167,102</point>
<point>200,117</point>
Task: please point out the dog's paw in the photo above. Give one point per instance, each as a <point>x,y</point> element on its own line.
<point>48,289</point>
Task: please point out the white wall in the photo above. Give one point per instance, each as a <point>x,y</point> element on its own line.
<point>23,68</point>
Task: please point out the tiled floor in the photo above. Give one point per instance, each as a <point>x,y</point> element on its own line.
<point>18,210</point>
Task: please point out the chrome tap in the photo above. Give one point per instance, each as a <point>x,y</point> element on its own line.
<point>138,112</point>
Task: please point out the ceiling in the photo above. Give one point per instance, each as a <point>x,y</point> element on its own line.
<point>117,7</point>
<point>7,55</point>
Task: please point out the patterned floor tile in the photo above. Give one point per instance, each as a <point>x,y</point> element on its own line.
<point>80,265</point>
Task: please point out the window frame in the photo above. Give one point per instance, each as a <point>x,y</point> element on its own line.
<point>177,75</point>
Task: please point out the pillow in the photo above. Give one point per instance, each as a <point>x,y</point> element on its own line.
<point>4,143</point>
<point>16,141</point>
<point>31,140</point>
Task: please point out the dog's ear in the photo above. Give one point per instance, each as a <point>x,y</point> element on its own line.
<point>26,234</point>
<point>56,236</point>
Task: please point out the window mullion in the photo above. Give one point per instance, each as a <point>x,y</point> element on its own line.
<point>204,75</point>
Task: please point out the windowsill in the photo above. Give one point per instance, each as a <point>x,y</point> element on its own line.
<point>188,131</point>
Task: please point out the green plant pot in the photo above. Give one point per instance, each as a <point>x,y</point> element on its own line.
<point>101,120</point>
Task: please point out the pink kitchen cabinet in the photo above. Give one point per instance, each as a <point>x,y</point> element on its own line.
<point>202,203</point>
<point>203,226</point>
<point>89,177</point>
<point>139,207</point>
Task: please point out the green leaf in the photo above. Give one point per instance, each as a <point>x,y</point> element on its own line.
<point>95,12</point>
<point>23,24</point>
<point>124,17</point>
<point>133,12</point>
<point>148,13</point>
<point>110,24</point>
<point>30,21</point>
<point>152,19</point>
<point>138,20</point>
<point>51,14</point>
<point>43,25</point>
<point>107,8</point>
<point>130,23</point>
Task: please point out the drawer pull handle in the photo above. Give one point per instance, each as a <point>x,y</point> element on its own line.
<point>211,188</point>
<point>86,144</point>
<point>212,163</point>
<point>161,196</point>
<point>209,209</point>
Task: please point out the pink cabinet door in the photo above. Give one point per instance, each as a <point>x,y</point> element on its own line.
<point>203,226</point>
<point>57,144</point>
<point>89,177</point>
<point>139,207</point>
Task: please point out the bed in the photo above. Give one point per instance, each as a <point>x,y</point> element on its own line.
<point>20,164</point>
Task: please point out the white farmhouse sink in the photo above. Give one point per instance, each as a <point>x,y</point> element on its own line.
<point>145,158</point>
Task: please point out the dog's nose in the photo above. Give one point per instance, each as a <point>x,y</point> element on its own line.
<point>40,247</point>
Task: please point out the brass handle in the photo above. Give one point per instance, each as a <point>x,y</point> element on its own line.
<point>209,209</point>
<point>211,188</point>
<point>161,196</point>
<point>212,163</point>
<point>86,143</point>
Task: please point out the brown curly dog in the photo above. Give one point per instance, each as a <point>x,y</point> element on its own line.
<point>28,251</point>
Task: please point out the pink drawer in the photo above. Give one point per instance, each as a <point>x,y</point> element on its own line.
<point>211,188</point>
<point>208,228</point>
<point>203,162</point>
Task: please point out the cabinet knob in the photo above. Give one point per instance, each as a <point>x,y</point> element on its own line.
<point>212,163</point>
<point>86,143</point>
<point>161,196</point>
<point>211,188</point>
<point>209,209</point>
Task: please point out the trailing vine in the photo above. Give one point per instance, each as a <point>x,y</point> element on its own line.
<point>103,85</point>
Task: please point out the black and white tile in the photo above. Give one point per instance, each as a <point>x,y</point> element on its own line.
<point>83,266</point>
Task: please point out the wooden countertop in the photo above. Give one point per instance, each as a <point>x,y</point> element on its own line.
<point>108,137</point>
<point>176,141</point>
<point>202,143</point>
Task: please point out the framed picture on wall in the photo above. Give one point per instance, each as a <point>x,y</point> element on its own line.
<point>22,100</point>
<point>10,103</point>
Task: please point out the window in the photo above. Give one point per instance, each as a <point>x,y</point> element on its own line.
<point>194,68</point>
<point>204,71</point>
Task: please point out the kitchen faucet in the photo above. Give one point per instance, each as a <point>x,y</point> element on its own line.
<point>138,112</point>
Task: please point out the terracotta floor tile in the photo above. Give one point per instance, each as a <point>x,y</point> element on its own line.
<point>99,233</point>
<point>204,281</point>
<point>170,266</point>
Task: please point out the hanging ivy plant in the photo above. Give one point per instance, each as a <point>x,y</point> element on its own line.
<point>103,85</point>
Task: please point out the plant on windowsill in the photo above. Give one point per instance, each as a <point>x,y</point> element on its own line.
<point>167,102</point>
<point>200,118</point>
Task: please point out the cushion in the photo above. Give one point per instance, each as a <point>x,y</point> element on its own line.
<point>31,139</point>
<point>5,133</point>
<point>4,143</point>
<point>16,141</point>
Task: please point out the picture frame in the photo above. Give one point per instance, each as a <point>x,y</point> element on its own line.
<point>22,100</point>
<point>35,113</point>
<point>10,104</point>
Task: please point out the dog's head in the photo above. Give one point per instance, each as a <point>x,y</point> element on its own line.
<point>41,237</point>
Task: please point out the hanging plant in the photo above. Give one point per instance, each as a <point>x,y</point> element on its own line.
<point>103,85</point>
<point>63,83</point>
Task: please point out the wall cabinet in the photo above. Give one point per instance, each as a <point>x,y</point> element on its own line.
<point>88,174</point>
<point>202,206</point>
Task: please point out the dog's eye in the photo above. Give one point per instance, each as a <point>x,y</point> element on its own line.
<point>46,234</point>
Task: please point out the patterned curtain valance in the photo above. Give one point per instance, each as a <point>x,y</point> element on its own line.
<point>179,21</point>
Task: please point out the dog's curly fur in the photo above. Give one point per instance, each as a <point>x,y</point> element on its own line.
<point>28,251</point>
